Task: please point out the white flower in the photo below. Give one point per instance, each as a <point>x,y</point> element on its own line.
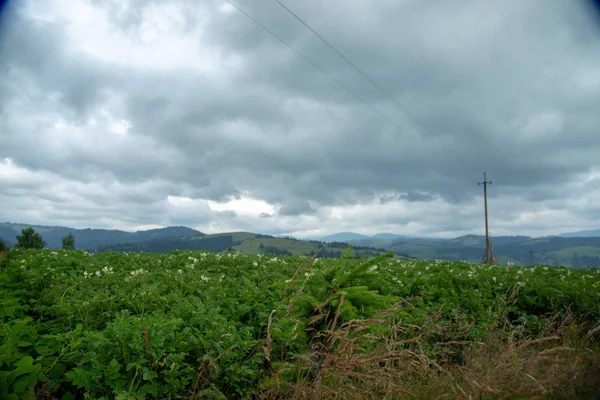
<point>494,278</point>
<point>138,272</point>
<point>180,271</point>
<point>98,273</point>
<point>255,264</point>
<point>204,278</point>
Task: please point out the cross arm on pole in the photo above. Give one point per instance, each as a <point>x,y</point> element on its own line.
<point>485,181</point>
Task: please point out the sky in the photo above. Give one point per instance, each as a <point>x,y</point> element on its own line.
<point>139,114</point>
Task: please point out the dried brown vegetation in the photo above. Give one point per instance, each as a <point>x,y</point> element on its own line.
<point>381,358</point>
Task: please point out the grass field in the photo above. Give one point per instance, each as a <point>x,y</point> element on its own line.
<point>581,251</point>
<point>195,325</point>
<point>251,244</point>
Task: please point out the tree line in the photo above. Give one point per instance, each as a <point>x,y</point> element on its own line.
<point>215,244</point>
<point>30,239</point>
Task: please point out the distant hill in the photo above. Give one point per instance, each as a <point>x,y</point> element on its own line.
<point>389,236</point>
<point>343,237</point>
<point>574,252</point>
<point>588,233</point>
<point>351,236</point>
<point>90,239</point>
<point>245,242</point>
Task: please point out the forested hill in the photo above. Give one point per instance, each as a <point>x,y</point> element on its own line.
<point>91,239</point>
<point>575,252</point>
<point>248,243</point>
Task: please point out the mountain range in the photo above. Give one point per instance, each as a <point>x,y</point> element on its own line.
<point>576,249</point>
<point>181,238</point>
<point>90,239</point>
<point>588,233</point>
<point>347,236</point>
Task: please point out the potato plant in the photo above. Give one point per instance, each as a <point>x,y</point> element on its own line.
<point>193,325</point>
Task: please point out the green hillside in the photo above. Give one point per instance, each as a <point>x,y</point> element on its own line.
<point>575,252</point>
<point>247,243</point>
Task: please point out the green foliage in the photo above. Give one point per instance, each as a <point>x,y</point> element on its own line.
<point>275,250</point>
<point>30,239</point>
<point>191,324</point>
<point>3,246</point>
<point>68,242</point>
<point>18,370</point>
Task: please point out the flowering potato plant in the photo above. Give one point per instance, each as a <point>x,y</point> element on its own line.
<point>190,324</point>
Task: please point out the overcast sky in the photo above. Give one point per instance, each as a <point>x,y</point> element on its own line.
<point>147,113</point>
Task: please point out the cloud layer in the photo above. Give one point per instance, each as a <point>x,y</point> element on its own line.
<point>133,114</point>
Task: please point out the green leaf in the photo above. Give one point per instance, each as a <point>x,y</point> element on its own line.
<point>24,366</point>
<point>44,350</point>
<point>57,371</point>
<point>21,384</point>
<point>6,379</point>
<point>80,378</point>
<point>112,370</point>
<point>149,375</point>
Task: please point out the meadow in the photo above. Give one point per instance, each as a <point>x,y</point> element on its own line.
<point>198,325</point>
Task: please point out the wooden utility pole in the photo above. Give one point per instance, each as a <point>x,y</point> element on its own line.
<point>488,257</point>
<point>531,253</point>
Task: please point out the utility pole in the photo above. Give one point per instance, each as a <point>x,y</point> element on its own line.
<point>488,257</point>
<point>531,253</point>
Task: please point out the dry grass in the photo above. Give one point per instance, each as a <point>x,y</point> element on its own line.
<point>351,362</point>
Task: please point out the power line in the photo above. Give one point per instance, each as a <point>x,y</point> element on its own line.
<point>354,66</point>
<point>361,99</point>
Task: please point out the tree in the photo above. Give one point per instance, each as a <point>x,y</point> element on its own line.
<point>3,246</point>
<point>30,239</point>
<point>68,242</point>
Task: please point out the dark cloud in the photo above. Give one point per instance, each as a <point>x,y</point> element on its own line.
<point>509,88</point>
<point>296,207</point>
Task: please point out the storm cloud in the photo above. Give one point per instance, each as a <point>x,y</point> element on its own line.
<point>133,114</point>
